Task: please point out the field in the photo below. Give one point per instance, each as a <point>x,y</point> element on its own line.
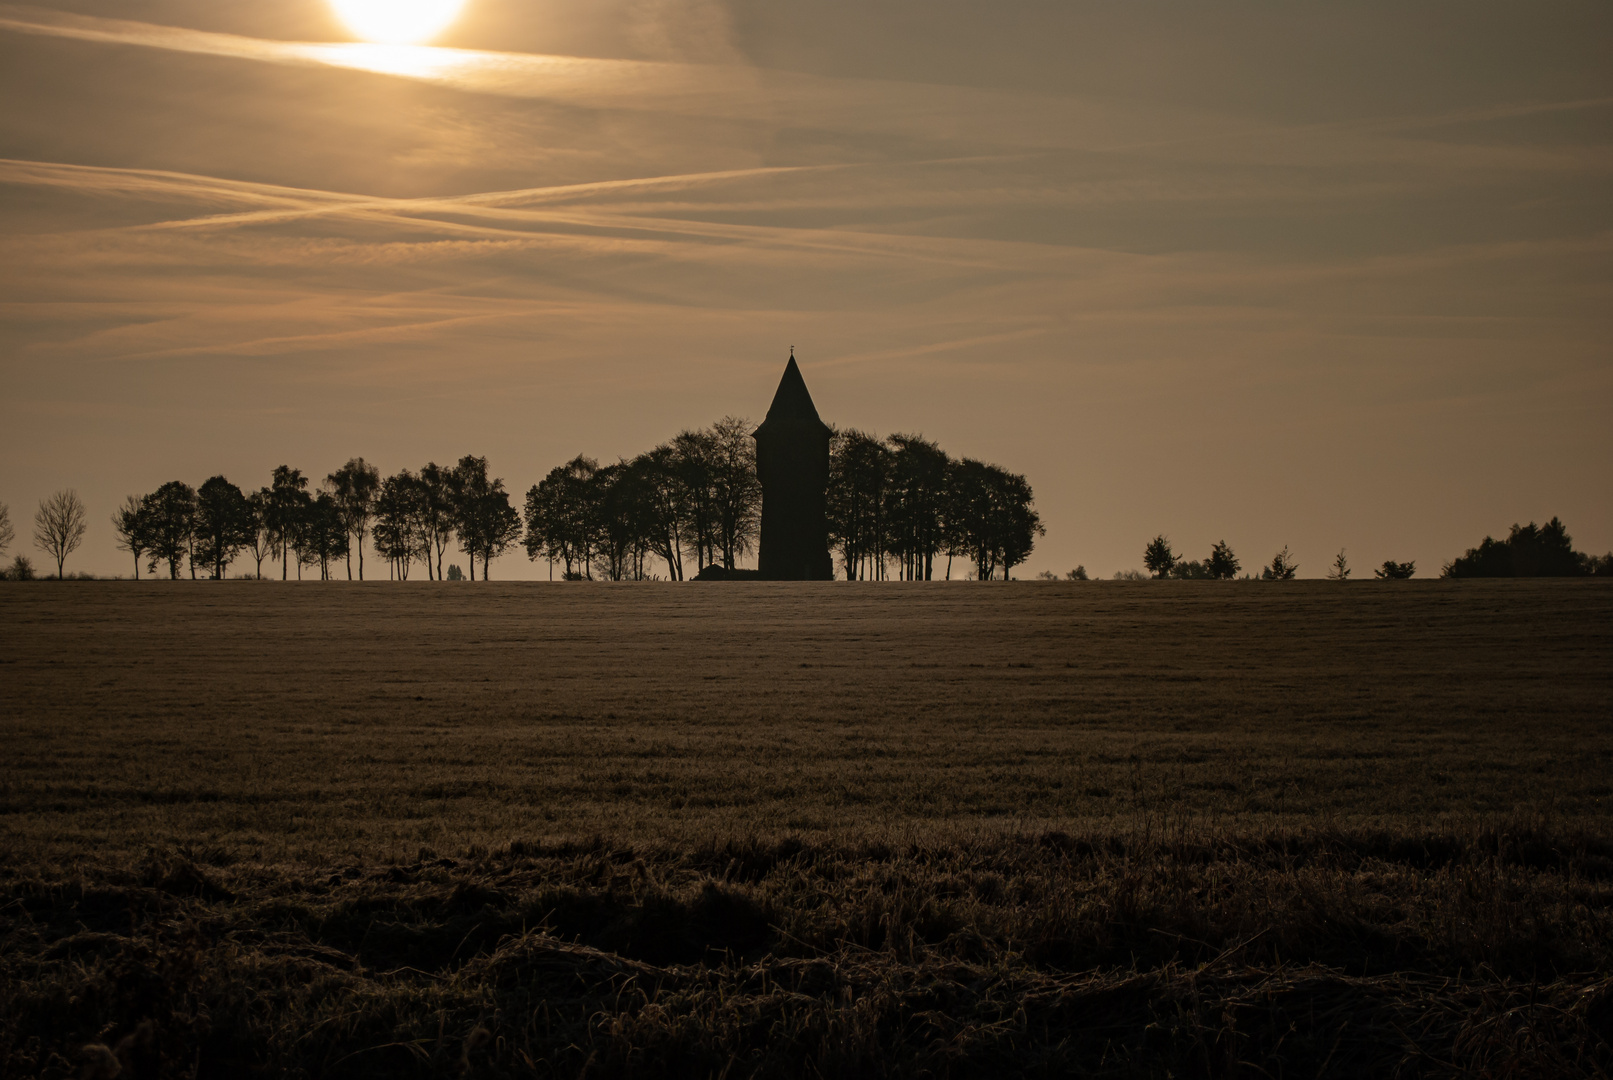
<point>1107,828</point>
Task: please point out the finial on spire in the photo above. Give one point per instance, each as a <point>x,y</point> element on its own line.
<point>792,352</point>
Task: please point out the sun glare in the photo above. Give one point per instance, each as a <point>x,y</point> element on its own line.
<point>397,22</point>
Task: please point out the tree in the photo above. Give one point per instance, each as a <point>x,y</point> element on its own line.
<point>1341,568</point>
<point>1078,574</point>
<point>1158,558</point>
<point>1018,525</point>
<point>7,533</point>
<point>354,487</point>
<point>170,514</point>
<point>859,473</point>
<point>59,526</point>
<point>1282,568</point>
<point>400,533</point>
<point>438,499</point>
<point>990,516</point>
<point>285,509</point>
<point>1395,571</point>
<point>693,454</point>
<point>1222,563</point>
<point>324,533</point>
<point>736,489</point>
<point>224,524</point>
<point>130,525</point>
<point>665,506</point>
<point>261,542</point>
<point>915,504</point>
<point>625,519</point>
<point>488,525</point>
<point>545,512</point>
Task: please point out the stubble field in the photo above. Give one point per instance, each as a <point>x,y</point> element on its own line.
<point>764,829</point>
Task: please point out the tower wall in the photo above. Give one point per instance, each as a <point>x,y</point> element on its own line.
<point>792,462</point>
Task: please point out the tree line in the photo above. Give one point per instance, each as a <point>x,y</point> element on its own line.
<point>1528,551</point>
<point>896,507</point>
<point>409,518</point>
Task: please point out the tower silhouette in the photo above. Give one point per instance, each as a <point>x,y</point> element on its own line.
<point>792,461</point>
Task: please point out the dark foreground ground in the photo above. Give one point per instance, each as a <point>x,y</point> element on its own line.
<point>739,829</point>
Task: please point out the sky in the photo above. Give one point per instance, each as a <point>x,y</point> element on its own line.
<point>1330,276</point>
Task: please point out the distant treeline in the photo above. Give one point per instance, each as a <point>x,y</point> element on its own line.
<point>1529,551</point>
<point>896,506</point>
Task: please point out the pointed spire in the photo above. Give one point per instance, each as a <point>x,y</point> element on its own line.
<point>792,401</point>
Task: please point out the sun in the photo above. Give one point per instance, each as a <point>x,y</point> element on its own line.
<point>397,22</point>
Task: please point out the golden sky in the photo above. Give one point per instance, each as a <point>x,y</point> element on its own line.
<point>1322,275</point>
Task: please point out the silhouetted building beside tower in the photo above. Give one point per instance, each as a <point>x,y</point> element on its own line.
<point>792,462</point>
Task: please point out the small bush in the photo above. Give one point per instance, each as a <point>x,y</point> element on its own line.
<point>1282,568</point>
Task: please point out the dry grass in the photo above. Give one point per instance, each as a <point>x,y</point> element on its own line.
<point>1107,829</point>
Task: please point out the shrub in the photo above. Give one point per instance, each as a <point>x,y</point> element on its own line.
<point>1396,571</point>
<point>1282,568</point>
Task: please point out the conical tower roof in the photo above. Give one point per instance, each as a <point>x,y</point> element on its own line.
<point>792,405</point>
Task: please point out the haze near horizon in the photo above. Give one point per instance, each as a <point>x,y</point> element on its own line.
<point>1317,276</point>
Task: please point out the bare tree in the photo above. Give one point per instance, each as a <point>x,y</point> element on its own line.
<point>59,526</point>
<point>1341,568</point>
<point>7,533</point>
